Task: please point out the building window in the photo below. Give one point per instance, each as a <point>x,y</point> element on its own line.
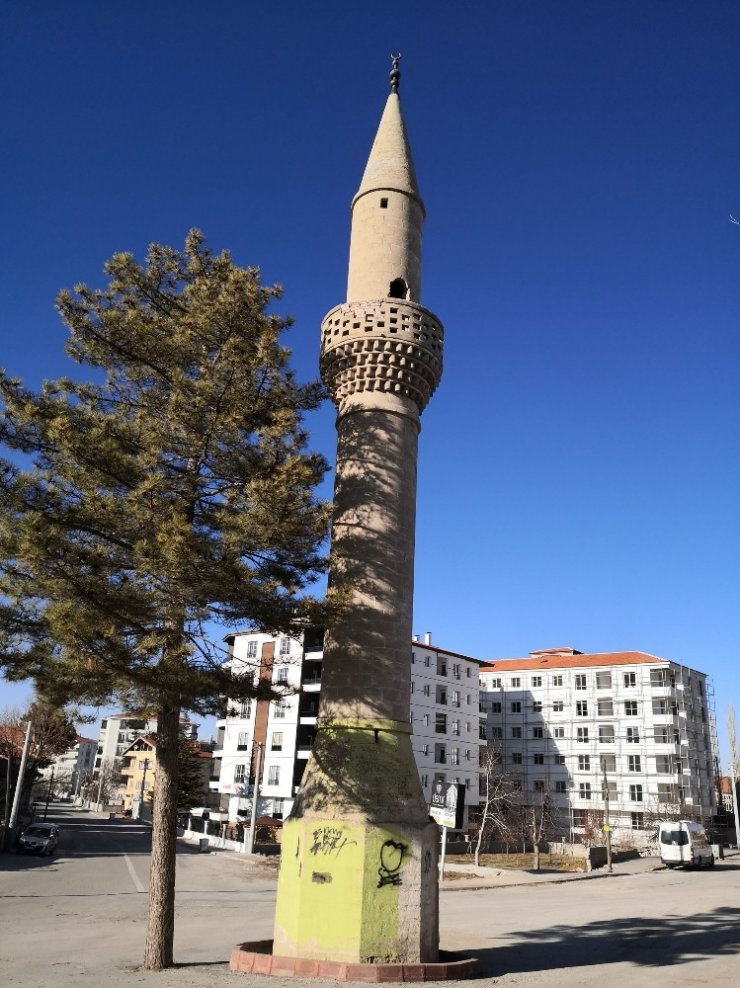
<point>242,742</point>
<point>605,708</point>
<point>663,764</point>
<point>536,681</point>
<point>252,649</point>
<point>454,756</point>
<point>580,818</point>
<point>516,732</point>
<point>536,707</point>
<point>634,763</point>
<point>538,732</point>
<point>584,790</point>
<point>413,687</point>
<point>277,741</point>
<point>278,710</point>
<point>413,658</point>
<point>637,821</point>
<point>582,734</point>
<point>273,775</point>
<point>455,670</point>
<point>440,723</point>
<point>633,735</point>
<point>496,684</point>
<point>427,691</point>
<point>245,709</point>
<point>482,733</point>
<point>630,679</point>
<point>455,728</point>
<point>516,707</point>
<point>516,785</point>
<point>495,708</point>
<point>425,749</point>
<point>581,681</point>
<point>425,781</point>
<point>560,759</point>
<point>456,698</point>
<point>426,661</point>
<point>603,680</point>
<point>539,785</point>
<point>467,754</point>
<point>440,754</point>
<point>516,757</point>
<point>582,708</point>
<point>636,793</point>
<point>441,695</point>
<point>441,666</point>
<point>630,708</point>
<point>285,646</point>
<point>282,674</point>
<point>516,683</point>
<point>538,758</point>
<point>240,773</point>
<point>558,707</point>
<point>608,763</point>
<point>606,734</point>
<point>560,786</point>
<point>467,671</point>
<point>557,680</point>
<point>497,732</point>
<point>425,720</point>
<point>584,763</point>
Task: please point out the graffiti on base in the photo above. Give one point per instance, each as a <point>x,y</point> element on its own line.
<point>327,840</point>
<point>391,857</point>
<point>427,866</point>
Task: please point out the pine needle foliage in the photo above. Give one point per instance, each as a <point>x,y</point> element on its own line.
<point>173,489</point>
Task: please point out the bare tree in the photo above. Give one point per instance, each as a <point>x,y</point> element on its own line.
<point>731,725</point>
<point>497,795</point>
<point>540,824</point>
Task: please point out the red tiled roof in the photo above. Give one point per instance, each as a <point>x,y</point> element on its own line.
<point>557,660</point>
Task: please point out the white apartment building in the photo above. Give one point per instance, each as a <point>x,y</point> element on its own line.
<point>273,739</point>
<point>117,731</point>
<point>566,722</point>
<point>72,766</point>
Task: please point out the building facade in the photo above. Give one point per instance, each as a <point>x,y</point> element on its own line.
<point>73,766</point>
<point>573,728</point>
<point>273,739</point>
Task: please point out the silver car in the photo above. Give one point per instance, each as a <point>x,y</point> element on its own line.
<point>39,838</point>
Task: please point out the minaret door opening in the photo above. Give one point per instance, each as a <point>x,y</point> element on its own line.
<point>398,289</point>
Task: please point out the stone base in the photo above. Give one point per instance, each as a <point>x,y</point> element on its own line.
<point>257,958</point>
<point>357,892</point>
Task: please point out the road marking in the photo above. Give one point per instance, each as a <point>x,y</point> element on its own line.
<point>130,865</point>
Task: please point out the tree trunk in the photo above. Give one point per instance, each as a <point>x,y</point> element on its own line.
<point>160,932</point>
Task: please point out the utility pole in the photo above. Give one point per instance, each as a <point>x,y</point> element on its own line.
<point>259,745</point>
<point>10,833</point>
<point>607,825</point>
<point>48,794</point>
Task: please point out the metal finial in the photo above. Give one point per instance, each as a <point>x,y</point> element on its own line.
<point>395,71</point>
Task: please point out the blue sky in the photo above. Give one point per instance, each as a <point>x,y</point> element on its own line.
<point>578,477</point>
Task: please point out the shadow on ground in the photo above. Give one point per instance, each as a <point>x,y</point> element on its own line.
<point>645,941</point>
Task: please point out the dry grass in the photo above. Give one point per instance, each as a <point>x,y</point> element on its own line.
<point>521,862</point>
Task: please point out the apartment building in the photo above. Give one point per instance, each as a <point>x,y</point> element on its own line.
<point>569,724</point>
<point>117,731</point>
<point>72,766</point>
<point>272,740</point>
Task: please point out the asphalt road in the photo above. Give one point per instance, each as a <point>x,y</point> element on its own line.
<point>77,920</point>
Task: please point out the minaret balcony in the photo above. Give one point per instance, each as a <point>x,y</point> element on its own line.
<point>382,345</point>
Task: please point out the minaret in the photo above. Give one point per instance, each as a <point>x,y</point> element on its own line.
<point>358,879</point>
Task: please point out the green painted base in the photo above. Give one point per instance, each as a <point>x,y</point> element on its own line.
<point>358,874</point>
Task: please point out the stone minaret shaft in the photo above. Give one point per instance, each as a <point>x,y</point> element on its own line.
<point>358,878</point>
<point>381,359</point>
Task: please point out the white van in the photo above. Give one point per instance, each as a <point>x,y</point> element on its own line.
<point>683,842</point>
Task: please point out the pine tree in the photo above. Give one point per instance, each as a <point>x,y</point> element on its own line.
<point>173,489</point>
<point>192,783</point>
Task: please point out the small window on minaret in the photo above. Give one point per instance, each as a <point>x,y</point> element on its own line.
<point>398,289</point>
<point>383,203</point>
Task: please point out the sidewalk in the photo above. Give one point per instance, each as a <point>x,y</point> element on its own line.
<point>487,878</point>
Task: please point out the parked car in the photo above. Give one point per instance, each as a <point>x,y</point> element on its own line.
<point>39,838</point>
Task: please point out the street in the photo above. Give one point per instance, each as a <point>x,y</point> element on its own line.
<point>78,919</point>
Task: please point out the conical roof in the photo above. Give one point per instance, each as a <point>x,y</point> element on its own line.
<point>390,165</point>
